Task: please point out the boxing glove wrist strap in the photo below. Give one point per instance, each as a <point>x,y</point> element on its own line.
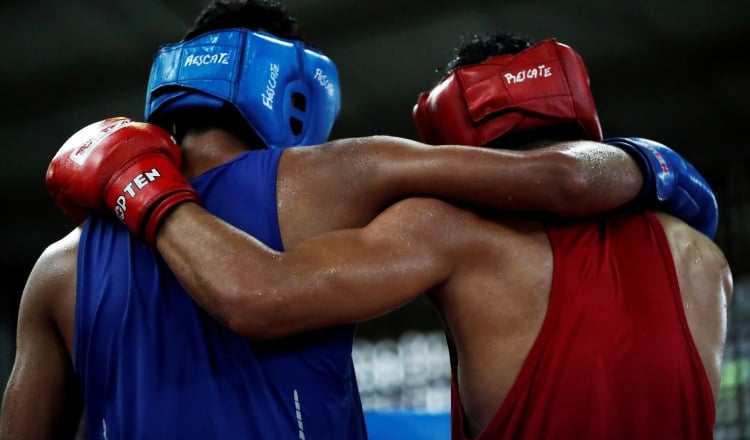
<point>144,191</point>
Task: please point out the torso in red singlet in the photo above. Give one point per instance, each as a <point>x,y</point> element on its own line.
<point>614,358</point>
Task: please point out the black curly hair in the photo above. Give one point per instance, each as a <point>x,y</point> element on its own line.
<point>475,49</point>
<point>258,15</point>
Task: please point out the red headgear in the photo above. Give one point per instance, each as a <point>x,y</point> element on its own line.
<point>542,86</point>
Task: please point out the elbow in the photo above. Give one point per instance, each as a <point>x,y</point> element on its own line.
<point>248,312</point>
<point>572,189</point>
<point>271,309</point>
<point>592,184</point>
<point>274,304</point>
<point>573,198</point>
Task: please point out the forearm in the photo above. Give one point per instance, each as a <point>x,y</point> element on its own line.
<point>252,289</point>
<point>335,278</point>
<point>571,179</point>
<point>215,262</point>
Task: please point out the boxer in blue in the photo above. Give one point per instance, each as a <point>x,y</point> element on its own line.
<point>152,365</point>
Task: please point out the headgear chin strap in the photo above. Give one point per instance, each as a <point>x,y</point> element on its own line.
<point>542,86</point>
<point>287,92</point>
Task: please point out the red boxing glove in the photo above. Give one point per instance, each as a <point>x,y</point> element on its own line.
<point>129,168</point>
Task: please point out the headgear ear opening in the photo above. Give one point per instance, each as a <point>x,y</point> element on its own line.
<point>288,93</point>
<point>299,102</point>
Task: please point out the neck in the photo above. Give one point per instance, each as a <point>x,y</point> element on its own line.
<point>209,149</point>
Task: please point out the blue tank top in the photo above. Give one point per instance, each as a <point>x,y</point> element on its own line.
<point>153,365</point>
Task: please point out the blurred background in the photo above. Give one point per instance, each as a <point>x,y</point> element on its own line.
<point>669,70</point>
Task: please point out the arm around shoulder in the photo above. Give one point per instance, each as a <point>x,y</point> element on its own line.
<point>569,178</point>
<point>334,278</point>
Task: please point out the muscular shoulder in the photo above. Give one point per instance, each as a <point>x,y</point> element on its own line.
<point>695,254</point>
<point>51,283</point>
<point>338,185</point>
<point>353,161</point>
<point>705,282</point>
<point>59,258</point>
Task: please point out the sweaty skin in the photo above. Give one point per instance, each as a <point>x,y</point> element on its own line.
<point>313,199</point>
<point>489,275</point>
<point>339,185</point>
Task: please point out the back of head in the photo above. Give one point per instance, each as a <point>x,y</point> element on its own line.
<point>505,90</point>
<point>263,16</point>
<point>243,66</point>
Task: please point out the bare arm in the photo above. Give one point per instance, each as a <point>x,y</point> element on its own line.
<point>260,293</point>
<point>570,179</point>
<point>706,286</point>
<point>339,277</point>
<point>42,399</point>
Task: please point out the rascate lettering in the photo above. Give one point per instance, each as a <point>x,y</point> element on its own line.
<point>267,95</point>
<point>209,58</point>
<point>540,71</point>
<point>323,80</point>
<point>131,189</point>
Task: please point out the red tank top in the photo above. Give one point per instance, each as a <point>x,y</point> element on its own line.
<point>614,358</point>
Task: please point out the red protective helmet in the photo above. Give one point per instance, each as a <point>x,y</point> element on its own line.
<point>542,86</point>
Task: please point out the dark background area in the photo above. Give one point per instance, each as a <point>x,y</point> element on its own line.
<point>674,71</point>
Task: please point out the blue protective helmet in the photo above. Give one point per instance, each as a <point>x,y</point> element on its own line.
<point>287,92</point>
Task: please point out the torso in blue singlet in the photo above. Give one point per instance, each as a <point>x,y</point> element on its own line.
<point>155,366</point>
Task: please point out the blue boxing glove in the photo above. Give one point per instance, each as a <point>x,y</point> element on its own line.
<point>671,184</point>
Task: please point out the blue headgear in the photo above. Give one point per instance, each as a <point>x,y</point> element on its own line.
<point>287,92</point>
